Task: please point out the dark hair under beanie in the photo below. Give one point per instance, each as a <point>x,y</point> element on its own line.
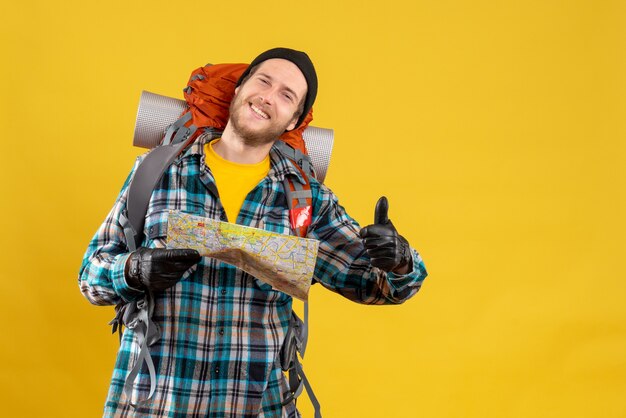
<point>302,61</point>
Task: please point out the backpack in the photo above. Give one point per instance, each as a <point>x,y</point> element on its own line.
<point>207,94</point>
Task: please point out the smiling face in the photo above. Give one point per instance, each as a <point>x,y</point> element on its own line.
<point>267,103</point>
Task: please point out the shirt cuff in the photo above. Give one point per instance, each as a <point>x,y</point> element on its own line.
<point>120,285</point>
<point>416,273</point>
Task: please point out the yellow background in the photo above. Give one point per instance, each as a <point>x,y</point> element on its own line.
<point>495,128</point>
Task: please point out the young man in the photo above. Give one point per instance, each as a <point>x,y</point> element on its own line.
<point>221,329</point>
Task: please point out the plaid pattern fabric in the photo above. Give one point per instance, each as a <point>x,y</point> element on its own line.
<point>221,328</point>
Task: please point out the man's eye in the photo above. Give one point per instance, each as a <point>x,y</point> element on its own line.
<point>288,97</point>
<point>264,81</point>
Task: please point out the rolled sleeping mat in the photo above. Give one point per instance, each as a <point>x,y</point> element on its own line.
<point>156,113</point>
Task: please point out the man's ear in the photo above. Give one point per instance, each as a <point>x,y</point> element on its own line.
<point>237,89</point>
<point>292,125</point>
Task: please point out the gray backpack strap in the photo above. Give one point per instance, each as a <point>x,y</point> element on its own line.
<point>146,177</point>
<point>295,342</point>
<point>309,391</point>
<point>304,339</point>
<point>298,196</point>
<point>138,315</point>
<point>147,333</point>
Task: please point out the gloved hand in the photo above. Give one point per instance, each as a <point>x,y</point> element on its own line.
<point>158,268</point>
<point>388,250</point>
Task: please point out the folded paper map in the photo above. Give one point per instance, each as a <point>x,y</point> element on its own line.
<point>285,262</point>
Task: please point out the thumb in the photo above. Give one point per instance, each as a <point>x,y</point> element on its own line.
<point>380,214</point>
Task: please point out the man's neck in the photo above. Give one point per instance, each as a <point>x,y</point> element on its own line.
<point>233,148</point>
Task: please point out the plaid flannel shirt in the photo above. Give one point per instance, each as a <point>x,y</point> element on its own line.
<point>221,328</point>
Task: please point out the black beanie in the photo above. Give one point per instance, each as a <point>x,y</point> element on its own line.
<point>305,65</point>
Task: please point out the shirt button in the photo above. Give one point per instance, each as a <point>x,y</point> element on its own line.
<point>223,291</point>
<point>221,332</point>
<point>217,370</point>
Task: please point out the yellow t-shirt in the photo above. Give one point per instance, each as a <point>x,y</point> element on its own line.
<point>234,181</point>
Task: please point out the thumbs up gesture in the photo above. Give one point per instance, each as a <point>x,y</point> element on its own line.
<point>388,250</point>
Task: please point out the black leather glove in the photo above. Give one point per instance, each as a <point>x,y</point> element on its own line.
<point>158,268</point>
<point>388,250</point>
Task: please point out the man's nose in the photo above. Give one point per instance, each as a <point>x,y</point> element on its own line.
<point>269,95</point>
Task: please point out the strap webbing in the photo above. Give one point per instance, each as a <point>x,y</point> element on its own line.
<point>309,391</point>
<point>305,329</point>
<point>142,325</point>
<point>295,155</point>
<point>296,377</point>
<point>177,128</point>
<point>300,194</point>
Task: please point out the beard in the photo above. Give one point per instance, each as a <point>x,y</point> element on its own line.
<point>250,136</point>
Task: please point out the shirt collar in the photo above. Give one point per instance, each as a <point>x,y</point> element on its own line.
<point>280,168</point>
